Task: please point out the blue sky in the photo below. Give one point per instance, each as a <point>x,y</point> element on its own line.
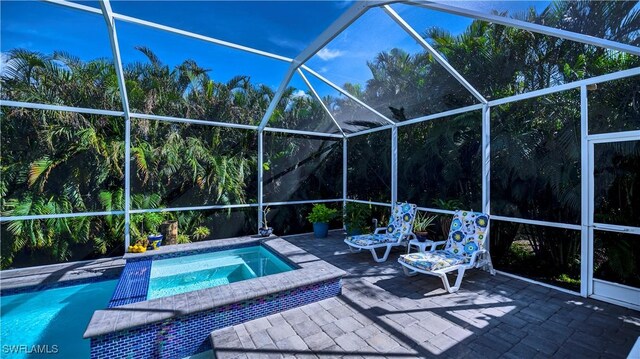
<point>281,27</point>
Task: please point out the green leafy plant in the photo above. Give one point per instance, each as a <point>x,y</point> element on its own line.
<point>356,216</point>
<point>422,222</point>
<point>321,214</point>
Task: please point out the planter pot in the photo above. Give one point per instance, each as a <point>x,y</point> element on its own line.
<point>422,236</point>
<point>265,232</point>
<point>320,230</point>
<point>353,231</point>
<point>155,241</point>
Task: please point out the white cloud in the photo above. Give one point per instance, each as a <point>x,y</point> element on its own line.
<point>299,93</point>
<point>328,54</point>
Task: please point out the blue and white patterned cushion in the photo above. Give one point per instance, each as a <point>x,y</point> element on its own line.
<point>468,233</point>
<point>369,239</point>
<point>402,217</point>
<point>430,261</point>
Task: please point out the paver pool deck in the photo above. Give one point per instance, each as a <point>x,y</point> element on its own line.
<point>382,313</point>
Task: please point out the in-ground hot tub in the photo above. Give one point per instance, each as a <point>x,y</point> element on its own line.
<point>148,320</point>
<point>199,271</point>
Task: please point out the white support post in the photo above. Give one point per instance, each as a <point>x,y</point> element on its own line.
<point>394,164</point>
<point>436,55</point>
<point>260,177</point>
<point>344,178</point>
<point>486,164</point>
<point>585,274</point>
<point>105,5</point>
<point>486,159</point>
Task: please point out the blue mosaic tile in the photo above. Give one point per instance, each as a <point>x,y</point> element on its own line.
<point>133,284</point>
<point>182,336</point>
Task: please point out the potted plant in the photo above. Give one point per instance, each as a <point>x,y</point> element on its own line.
<point>421,225</point>
<point>320,216</point>
<point>265,230</point>
<point>152,222</point>
<point>356,217</point>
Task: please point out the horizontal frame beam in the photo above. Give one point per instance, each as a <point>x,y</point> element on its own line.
<point>299,132</point>
<point>38,106</point>
<point>59,215</point>
<point>192,121</point>
<point>371,130</point>
<point>528,26</point>
<point>288,203</point>
<point>441,115</point>
<point>576,227</point>
<point>195,208</point>
<point>568,86</point>
<point>369,202</point>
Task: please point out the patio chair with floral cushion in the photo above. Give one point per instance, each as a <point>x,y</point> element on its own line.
<point>397,233</point>
<point>464,249</point>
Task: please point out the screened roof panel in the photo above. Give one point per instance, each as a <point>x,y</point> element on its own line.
<point>501,61</point>
<point>300,109</point>
<point>220,83</point>
<point>381,64</point>
<point>612,20</point>
<point>280,27</point>
<point>48,56</point>
<point>350,115</point>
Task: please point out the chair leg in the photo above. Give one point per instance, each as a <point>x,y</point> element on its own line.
<point>384,258</point>
<point>456,286</point>
<point>355,250</point>
<point>489,264</point>
<point>409,273</point>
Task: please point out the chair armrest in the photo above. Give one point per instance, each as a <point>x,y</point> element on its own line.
<point>475,255</point>
<point>379,229</point>
<point>407,237</point>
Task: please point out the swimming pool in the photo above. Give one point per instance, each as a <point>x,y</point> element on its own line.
<point>194,272</point>
<point>51,321</point>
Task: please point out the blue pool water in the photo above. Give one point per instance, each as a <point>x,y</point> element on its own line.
<point>51,321</point>
<point>185,274</point>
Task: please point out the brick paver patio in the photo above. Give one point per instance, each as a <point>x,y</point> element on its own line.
<point>382,313</point>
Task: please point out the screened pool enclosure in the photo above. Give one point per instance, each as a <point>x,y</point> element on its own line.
<point>117,116</point>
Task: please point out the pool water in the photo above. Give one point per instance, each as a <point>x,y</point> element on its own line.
<point>185,274</point>
<point>50,323</point>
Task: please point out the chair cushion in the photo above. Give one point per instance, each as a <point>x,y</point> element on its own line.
<point>430,261</point>
<point>402,217</point>
<point>468,233</point>
<point>370,239</point>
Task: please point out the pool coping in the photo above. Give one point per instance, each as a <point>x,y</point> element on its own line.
<point>24,280</point>
<point>311,270</point>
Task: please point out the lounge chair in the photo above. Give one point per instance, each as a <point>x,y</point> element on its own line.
<point>398,233</point>
<point>464,249</point>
